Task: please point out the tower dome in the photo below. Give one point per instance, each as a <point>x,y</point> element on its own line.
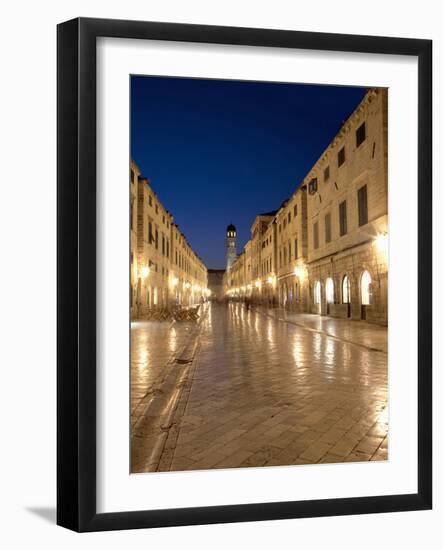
<point>231,229</point>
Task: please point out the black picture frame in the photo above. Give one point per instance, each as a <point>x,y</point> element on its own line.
<point>76,274</point>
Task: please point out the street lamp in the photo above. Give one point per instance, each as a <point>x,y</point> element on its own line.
<point>144,272</point>
<point>174,282</point>
<point>299,272</point>
<point>381,242</point>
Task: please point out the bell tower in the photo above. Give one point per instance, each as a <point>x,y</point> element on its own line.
<point>231,246</point>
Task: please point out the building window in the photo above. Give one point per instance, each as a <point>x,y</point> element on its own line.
<point>156,239</point>
<point>328,227</point>
<point>343,219</point>
<point>329,288</point>
<point>156,208</point>
<point>360,134</point>
<point>132,213</point>
<point>316,235</point>
<point>295,210</point>
<point>132,176</point>
<point>289,217</point>
<point>289,251</point>
<point>295,249</point>
<point>346,290</point>
<point>326,173</point>
<point>341,156</point>
<point>363,205</point>
<point>150,235</point>
<point>150,200</point>
<point>313,186</point>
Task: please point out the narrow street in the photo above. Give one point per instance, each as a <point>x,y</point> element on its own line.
<point>261,389</point>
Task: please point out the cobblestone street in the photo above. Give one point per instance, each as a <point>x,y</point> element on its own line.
<point>258,389</point>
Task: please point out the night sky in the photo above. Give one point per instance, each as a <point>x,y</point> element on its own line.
<point>220,151</point>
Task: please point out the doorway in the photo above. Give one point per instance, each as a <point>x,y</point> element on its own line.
<point>366,292</point>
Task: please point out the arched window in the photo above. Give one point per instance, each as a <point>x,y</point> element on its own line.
<point>346,290</point>
<point>329,290</point>
<point>366,288</point>
<point>317,292</point>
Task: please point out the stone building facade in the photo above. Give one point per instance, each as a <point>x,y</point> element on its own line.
<point>165,271</point>
<point>325,250</point>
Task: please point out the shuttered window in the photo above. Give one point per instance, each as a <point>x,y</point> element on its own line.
<point>341,157</point>
<point>342,214</point>
<point>363,205</point>
<point>360,134</point>
<point>316,235</point>
<point>328,227</point>
<point>326,173</point>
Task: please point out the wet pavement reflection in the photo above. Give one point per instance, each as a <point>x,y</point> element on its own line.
<point>154,345</point>
<point>269,392</point>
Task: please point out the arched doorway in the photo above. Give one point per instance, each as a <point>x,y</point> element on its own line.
<point>138,299</point>
<point>329,290</point>
<point>155,296</point>
<point>346,294</point>
<point>285,295</point>
<point>317,296</point>
<point>365,292</point>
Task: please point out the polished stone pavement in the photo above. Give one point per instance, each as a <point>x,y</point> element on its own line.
<point>269,389</point>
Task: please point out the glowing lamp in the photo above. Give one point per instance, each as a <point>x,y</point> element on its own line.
<point>299,272</point>
<point>174,282</point>
<point>145,271</point>
<point>381,242</point>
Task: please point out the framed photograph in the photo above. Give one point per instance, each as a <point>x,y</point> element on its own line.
<point>244,274</point>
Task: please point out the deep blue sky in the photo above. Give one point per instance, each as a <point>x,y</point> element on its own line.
<point>220,151</point>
